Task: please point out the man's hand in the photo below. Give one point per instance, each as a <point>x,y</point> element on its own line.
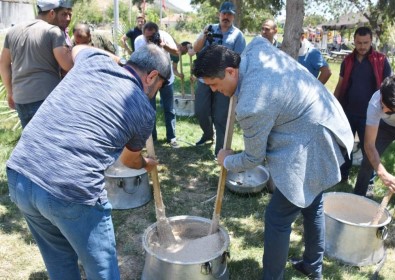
<point>150,163</point>
<point>388,180</point>
<point>10,101</point>
<point>222,154</point>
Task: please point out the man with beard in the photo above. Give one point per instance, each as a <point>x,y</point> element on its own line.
<point>211,107</point>
<point>98,113</point>
<point>63,19</point>
<point>361,75</point>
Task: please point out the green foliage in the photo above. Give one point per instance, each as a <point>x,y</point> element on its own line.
<point>87,11</point>
<point>195,22</point>
<point>313,20</point>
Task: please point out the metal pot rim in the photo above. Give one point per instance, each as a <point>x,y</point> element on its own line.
<point>367,200</point>
<point>192,218</point>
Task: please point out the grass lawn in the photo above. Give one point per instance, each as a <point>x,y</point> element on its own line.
<point>189,178</point>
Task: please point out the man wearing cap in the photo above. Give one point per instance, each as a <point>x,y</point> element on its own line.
<point>63,18</point>
<point>212,107</point>
<point>32,55</point>
<point>132,34</point>
<point>312,60</point>
<point>269,31</point>
<point>98,113</point>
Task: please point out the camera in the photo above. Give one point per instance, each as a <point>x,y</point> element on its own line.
<point>155,38</point>
<point>210,35</point>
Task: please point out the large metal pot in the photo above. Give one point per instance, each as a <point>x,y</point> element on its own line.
<point>250,181</point>
<point>159,267</point>
<point>184,106</point>
<point>127,188</point>
<point>350,237</point>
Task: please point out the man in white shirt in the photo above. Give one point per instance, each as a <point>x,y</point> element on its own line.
<point>379,134</point>
<point>152,35</point>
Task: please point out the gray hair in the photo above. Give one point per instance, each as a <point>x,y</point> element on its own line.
<point>151,57</point>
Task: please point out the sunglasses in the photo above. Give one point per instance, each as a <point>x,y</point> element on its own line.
<point>390,113</point>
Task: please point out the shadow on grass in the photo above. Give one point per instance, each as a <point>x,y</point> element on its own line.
<point>247,268</point>
<point>41,275</point>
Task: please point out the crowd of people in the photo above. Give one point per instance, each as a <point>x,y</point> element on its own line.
<point>82,107</point>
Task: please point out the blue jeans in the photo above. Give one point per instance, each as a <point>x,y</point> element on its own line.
<point>211,108</point>
<point>279,216</point>
<point>65,231</point>
<point>167,98</point>
<point>27,111</point>
<point>385,136</point>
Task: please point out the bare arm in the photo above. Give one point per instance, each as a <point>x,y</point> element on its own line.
<point>124,40</point>
<point>136,161</point>
<point>325,74</point>
<point>175,71</point>
<point>63,57</point>
<point>338,87</point>
<point>6,75</point>
<point>374,157</point>
<point>200,41</point>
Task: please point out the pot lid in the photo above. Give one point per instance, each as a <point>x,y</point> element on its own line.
<point>118,170</point>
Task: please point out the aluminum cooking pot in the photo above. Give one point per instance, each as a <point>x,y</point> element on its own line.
<point>350,236</point>
<point>127,188</point>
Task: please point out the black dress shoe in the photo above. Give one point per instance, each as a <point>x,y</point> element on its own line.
<point>298,265</point>
<point>203,141</point>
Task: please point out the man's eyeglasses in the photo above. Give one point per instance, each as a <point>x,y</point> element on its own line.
<point>165,81</point>
<point>390,113</point>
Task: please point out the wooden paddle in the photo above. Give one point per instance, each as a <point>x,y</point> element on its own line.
<point>222,177</point>
<point>182,79</point>
<point>192,83</point>
<point>165,233</point>
<point>381,209</point>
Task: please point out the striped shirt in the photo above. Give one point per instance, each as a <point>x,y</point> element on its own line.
<point>82,127</point>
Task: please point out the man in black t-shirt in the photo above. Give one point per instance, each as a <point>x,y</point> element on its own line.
<point>132,34</point>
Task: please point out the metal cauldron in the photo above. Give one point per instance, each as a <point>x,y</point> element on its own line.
<point>184,106</point>
<point>349,236</point>
<point>250,181</point>
<point>157,267</point>
<point>127,188</point>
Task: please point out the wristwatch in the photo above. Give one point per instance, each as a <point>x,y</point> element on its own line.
<point>122,61</point>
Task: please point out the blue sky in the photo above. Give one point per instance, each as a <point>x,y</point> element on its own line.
<point>183,4</point>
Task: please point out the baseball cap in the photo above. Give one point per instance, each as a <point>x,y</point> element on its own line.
<point>47,5</point>
<point>68,4</point>
<point>227,7</point>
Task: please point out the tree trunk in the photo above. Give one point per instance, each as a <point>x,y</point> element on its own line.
<point>293,25</point>
<point>239,6</point>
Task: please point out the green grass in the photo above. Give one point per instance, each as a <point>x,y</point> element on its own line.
<point>189,178</point>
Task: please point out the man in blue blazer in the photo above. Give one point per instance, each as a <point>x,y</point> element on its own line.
<point>291,120</point>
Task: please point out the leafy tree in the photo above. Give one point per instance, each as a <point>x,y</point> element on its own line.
<point>313,20</point>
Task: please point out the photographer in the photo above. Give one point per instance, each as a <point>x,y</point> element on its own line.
<point>212,107</point>
<point>152,35</point>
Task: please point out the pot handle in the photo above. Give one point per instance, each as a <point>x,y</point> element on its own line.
<point>382,233</point>
<point>137,182</point>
